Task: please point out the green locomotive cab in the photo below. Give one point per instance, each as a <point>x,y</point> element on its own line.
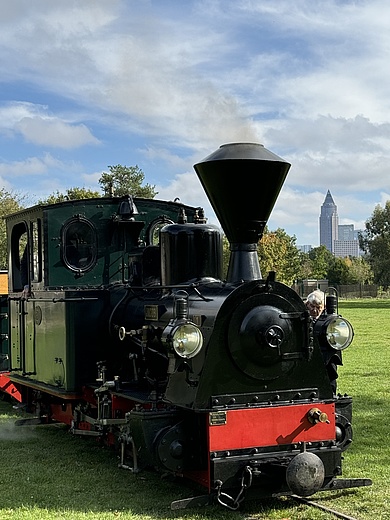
<point>64,262</point>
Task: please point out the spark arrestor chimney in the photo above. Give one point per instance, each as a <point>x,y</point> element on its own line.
<point>242,182</point>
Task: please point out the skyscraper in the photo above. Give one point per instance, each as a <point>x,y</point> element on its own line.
<point>329,223</point>
<point>347,232</point>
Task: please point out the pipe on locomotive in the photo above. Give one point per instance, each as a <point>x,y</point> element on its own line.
<point>243,205</point>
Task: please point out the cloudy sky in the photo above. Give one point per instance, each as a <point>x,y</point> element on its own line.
<point>163,83</point>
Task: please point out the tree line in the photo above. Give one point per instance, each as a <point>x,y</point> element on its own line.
<point>277,250</point>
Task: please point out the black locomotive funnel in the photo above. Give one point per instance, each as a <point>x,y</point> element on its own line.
<point>242,182</point>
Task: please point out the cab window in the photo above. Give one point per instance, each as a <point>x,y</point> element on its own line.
<point>79,244</point>
<point>20,257</point>
<point>36,253</point>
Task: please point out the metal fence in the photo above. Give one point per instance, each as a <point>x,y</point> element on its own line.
<point>305,287</point>
<point>357,291</point>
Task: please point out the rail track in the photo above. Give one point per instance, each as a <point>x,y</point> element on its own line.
<point>311,503</point>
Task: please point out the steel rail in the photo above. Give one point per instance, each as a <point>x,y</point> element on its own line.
<point>338,514</point>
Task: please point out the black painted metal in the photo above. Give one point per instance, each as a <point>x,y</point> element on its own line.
<point>242,181</point>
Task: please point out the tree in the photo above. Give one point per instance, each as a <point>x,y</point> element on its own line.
<point>338,271</point>
<point>225,255</point>
<point>9,203</point>
<point>277,252</point>
<point>321,258</point>
<point>121,181</point>
<point>360,271</point>
<point>70,194</point>
<point>126,180</point>
<point>375,242</point>
<point>305,266</point>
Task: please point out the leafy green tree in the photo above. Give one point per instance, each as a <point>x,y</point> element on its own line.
<point>375,242</point>
<point>121,181</point>
<point>126,180</point>
<point>70,194</point>
<point>277,252</point>
<point>359,270</point>
<point>225,255</point>
<point>305,266</point>
<point>321,258</point>
<point>9,203</point>
<point>338,271</point>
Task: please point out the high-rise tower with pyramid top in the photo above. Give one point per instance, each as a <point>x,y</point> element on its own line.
<point>329,223</point>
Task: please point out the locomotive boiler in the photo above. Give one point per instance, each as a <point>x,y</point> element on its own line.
<point>122,326</point>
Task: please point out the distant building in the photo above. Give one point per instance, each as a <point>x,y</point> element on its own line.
<point>305,248</point>
<point>346,232</point>
<point>329,223</point>
<point>341,240</point>
<point>345,248</point>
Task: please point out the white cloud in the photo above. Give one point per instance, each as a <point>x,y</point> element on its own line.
<point>40,176</point>
<point>12,112</point>
<point>40,128</point>
<point>29,166</point>
<point>188,189</point>
<point>55,133</point>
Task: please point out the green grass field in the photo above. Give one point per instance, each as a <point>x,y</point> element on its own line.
<point>48,474</point>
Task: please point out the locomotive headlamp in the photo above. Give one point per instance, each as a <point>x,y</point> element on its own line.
<point>186,339</point>
<point>335,331</point>
<point>339,333</point>
<point>181,334</point>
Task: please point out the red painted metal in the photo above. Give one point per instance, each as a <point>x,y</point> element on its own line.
<point>89,395</point>
<point>8,387</point>
<point>62,413</point>
<point>256,427</point>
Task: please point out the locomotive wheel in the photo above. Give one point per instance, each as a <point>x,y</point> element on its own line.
<point>169,446</point>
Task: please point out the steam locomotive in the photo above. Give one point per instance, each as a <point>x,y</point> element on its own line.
<point>119,324</point>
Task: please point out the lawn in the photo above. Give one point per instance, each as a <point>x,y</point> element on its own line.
<point>48,474</point>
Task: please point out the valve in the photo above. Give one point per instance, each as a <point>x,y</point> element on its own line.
<point>122,333</point>
<point>315,416</point>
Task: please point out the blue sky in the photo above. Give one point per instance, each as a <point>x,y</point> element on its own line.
<point>163,83</point>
